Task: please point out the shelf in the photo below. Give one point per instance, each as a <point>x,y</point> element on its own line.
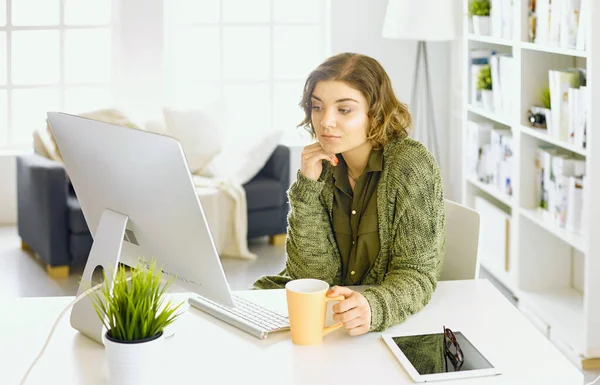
<point>573,239</point>
<point>540,133</point>
<point>553,49</point>
<point>562,309</point>
<point>500,275</point>
<point>490,40</point>
<point>487,114</point>
<point>491,190</point>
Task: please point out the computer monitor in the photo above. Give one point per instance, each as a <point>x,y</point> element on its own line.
<point>139,200</point>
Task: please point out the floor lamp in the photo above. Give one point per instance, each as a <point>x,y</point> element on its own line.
<point>421,21</point>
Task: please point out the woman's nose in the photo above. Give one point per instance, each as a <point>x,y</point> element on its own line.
<point>328,119</point>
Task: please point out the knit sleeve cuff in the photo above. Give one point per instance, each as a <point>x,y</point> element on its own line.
<point>377,313</point>
<point>305,190</point>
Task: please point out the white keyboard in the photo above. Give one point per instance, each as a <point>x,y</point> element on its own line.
<point>245,315</point>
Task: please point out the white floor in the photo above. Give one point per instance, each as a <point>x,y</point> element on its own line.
<point>21,275</point>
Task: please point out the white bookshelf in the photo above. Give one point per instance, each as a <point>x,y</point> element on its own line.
<point>554,273</point>
<point>492,191</point>
<point>488,115</point>
<point>540,134</point>
<point>551,49</point>
<point>575,240</point>
<point>490,40</point>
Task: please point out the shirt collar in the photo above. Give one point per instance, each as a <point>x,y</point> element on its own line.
<point>340,172</point>
<point>375,162</point>
<point>340,175</point>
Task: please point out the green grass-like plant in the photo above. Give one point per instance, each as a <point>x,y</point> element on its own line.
<point>544,96</point>
<point>484,78</point>
<point>134,309</point>
<point>479,8</point>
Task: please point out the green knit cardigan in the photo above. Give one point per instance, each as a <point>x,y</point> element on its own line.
<point>410,210</point>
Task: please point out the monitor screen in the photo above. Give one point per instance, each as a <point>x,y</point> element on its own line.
<point>429,355</point>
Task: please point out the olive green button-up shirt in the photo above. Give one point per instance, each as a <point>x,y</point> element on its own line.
<point>355,222</point>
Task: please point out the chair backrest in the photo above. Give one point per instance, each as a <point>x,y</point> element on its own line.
<point>462,241</point>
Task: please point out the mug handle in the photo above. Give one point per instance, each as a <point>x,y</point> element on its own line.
<point>331,328</point>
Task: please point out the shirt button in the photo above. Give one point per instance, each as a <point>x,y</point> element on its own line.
<point>353,242</point>
<point>352,272</point>
<point>353,212</point>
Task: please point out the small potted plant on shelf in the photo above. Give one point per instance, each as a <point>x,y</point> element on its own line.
<point>479,12</point>
<point>135,313</point>
<point>484,85</point>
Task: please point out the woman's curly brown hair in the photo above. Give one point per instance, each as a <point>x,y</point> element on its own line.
<point>389,118</point>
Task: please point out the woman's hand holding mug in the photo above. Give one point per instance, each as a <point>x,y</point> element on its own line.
<point>354,312</point>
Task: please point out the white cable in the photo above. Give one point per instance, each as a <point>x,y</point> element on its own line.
<point>596,380</point>
<point>79,297</point>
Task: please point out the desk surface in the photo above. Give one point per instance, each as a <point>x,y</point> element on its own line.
<point>205,350</point>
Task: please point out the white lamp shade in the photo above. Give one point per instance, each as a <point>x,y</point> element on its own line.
<point>427,20</point>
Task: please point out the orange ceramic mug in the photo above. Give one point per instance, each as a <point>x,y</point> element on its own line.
<point>307,300</point>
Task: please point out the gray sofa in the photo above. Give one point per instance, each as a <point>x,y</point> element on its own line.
<point>51,223</point>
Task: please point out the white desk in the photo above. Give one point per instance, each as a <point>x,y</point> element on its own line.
<point>205,350</point>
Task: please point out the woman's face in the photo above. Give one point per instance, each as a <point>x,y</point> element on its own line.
<point>339,116</point>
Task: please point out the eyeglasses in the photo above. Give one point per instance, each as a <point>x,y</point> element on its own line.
<point>452,350</point>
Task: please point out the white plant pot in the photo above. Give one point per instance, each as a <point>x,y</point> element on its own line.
<point>481,25</point>
<point>133,363</point>
<point>487,98</point>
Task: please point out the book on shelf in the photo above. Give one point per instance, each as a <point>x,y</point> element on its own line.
<point>573,210</point>
<point>585,212</point>
<point>489,155</point>
<point>559,187</point>
<point>496,17</point>
<point>478,135</point>
<point>581,41</point>
<point>542,16</point>
<point>496,85</point>
<point>567,101</point>
<point>502,70</point>
<point>561,23</point>
<point>577,116</point>
<point>507,73</point>
<point>501,15</point>
<point>507,19</point>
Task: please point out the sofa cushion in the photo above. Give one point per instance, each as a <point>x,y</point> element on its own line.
<point>264,193</point>
<point>77,224</point>
<point>198,131</point>
<point>80,246</point>
<point>242,160</point>
<point>45,144</point>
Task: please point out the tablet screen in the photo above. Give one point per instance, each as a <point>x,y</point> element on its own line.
<point>428,356</point>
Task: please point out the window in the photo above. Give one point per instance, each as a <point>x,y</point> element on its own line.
<point>58,57</point>
<point>253,54</point>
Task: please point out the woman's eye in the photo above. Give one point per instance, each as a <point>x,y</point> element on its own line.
<point>344,111</point>
<point>316,108</point>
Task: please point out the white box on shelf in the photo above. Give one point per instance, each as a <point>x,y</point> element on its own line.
<point>494,237</point>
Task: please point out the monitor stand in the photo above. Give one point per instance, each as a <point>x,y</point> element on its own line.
<point>105,252</point>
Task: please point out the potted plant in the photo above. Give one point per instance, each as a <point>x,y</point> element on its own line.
<point>544,96</point>
<point>484,85</point>
<point>135,315</point>
<point>479,12</point>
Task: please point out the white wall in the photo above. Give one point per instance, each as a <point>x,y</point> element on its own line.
<point>138,64</point>
<point>356,27</point>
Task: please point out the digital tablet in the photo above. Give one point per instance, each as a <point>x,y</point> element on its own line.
<point>435,357</point>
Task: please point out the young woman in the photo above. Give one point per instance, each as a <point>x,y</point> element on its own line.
<point>368,205</point>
